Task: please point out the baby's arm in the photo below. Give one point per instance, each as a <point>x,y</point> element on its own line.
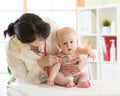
<point>86,51</point>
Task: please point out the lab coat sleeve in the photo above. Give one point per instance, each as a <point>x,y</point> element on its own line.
<point>20,71</point>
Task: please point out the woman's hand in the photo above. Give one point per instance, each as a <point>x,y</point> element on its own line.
<point>75,66</point>
<point>48,60</point>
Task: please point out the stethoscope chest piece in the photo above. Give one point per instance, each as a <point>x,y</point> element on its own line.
<point>65,59</point>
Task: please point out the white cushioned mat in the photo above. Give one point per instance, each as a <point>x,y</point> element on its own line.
<point>98,88</point>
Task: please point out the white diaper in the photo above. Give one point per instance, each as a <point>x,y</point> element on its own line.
<point>71,78</point>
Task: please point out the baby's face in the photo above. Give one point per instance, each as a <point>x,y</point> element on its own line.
<point>67,41</point>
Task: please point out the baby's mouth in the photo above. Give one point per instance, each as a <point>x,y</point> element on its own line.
<point>69,49</point>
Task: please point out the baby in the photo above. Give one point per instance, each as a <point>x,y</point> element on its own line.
<point>68,43</point>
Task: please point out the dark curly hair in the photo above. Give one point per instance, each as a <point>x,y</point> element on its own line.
<point>27,27</point>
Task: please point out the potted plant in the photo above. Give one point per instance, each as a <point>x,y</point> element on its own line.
<point>106,26</point>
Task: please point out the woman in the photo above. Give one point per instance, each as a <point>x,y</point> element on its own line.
<point>27,36</point>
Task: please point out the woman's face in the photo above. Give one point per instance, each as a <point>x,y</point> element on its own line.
<point>38,42</point>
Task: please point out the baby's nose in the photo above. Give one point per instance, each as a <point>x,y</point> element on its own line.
<point>68,44</point>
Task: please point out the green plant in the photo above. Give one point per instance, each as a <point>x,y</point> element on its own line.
<point>12,78</point>
<point>106,22</point>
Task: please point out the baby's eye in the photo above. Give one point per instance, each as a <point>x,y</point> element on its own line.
<point>64,43</point>
<point>71,41</point>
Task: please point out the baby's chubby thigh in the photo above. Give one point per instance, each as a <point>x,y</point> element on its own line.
<point>61,79</point>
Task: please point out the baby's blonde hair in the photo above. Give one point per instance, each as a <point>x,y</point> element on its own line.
<point>67,30</point>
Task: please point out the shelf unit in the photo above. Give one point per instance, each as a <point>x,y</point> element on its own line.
<point>90,29</point>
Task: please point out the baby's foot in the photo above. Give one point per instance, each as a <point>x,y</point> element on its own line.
<point>70,84</point>
<point>50,82</point>
<point>83,84</point>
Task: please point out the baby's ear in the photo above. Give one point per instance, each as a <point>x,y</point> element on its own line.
<point>58,47</point>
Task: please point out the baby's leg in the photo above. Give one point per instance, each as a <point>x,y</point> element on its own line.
<point>54,70</point>
<point>82,80</point>
<point>63,81</point>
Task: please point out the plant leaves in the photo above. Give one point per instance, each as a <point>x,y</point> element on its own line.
<point>9,71</point>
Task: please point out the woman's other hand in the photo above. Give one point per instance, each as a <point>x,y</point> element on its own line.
<point>75,66</point>
<point>48,60</point>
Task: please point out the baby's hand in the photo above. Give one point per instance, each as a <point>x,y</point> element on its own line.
<point>91,54</point>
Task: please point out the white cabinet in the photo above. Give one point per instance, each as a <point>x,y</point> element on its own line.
<point>90,21</point>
